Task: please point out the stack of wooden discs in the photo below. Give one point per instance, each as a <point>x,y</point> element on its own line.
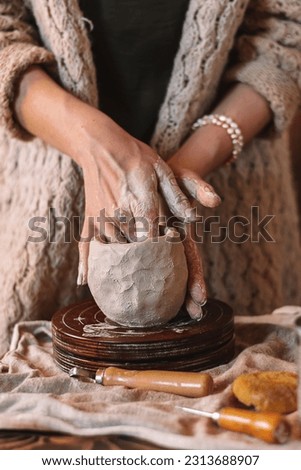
<point>83,337</point>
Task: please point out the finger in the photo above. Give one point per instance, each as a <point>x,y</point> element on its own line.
<point>196,284</point>
<point>110,215</point>
<point>125,222</point>
<point>83,250</point>
<point>176,200</point>
<point>82,274</point>
<point>113,234</point>
<point>144,204</point>
<point>146,222</point>
<point>164,212</point>
<point>194,310</point>
<point>108,226</point>
<point>200,190</point>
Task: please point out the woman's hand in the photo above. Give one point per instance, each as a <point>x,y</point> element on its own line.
<point>123,178</point>
<point>187,168</point>
<point>205,150</point>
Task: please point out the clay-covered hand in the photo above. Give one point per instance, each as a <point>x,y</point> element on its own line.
<point>123,178</point>
<point>187,168</point>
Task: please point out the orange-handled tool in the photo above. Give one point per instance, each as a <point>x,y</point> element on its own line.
<point>268,426</point>
<point>188,384</point>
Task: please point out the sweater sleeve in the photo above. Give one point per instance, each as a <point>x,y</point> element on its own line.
<point>19,49</point>
<point>267,55</point>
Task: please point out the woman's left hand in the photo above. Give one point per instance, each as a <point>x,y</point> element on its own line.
<point>188,164</point>
<point>205,150</point>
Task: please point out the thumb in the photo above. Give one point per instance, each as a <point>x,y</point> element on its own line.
<point>196,187</point>
<point>83,251</point>
<point>82,276</point>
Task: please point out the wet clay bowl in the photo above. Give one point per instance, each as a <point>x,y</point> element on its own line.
<point>140,284</point>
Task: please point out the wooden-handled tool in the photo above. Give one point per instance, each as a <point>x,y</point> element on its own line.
<point>188,384</point>
<point>268,426</point>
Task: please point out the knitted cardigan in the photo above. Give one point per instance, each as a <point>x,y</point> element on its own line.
<point>254,42</point>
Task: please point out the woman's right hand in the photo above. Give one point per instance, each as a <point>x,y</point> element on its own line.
<point>123,178</point>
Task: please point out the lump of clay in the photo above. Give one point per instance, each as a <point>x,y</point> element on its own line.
<point>139,284</point>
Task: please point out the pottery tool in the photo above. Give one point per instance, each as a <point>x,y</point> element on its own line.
<point>83,337</point>
<point>270,427</point>
<point>188,384</point>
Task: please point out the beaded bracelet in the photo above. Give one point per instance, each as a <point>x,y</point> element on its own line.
<point>229,125</point>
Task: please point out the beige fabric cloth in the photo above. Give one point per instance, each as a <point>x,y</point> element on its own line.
<point>245,40</point>
<point>37,396</point>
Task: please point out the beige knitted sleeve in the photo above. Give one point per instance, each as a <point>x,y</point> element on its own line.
<point>19,49</point>
<point>267,55</point>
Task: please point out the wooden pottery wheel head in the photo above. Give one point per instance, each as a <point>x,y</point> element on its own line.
<point>139,284</point>
<point>83,337</point>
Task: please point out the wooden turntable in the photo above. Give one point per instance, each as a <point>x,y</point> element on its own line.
<point>83,337</point>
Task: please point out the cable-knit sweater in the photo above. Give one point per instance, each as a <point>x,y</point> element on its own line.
<point>254,42</point>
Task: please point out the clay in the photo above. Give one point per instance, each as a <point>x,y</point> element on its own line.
<point>140,284</point>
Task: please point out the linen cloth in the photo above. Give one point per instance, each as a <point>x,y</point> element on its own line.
<point>36,396</point>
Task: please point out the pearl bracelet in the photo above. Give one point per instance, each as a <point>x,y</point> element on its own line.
<point>229,125</point>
